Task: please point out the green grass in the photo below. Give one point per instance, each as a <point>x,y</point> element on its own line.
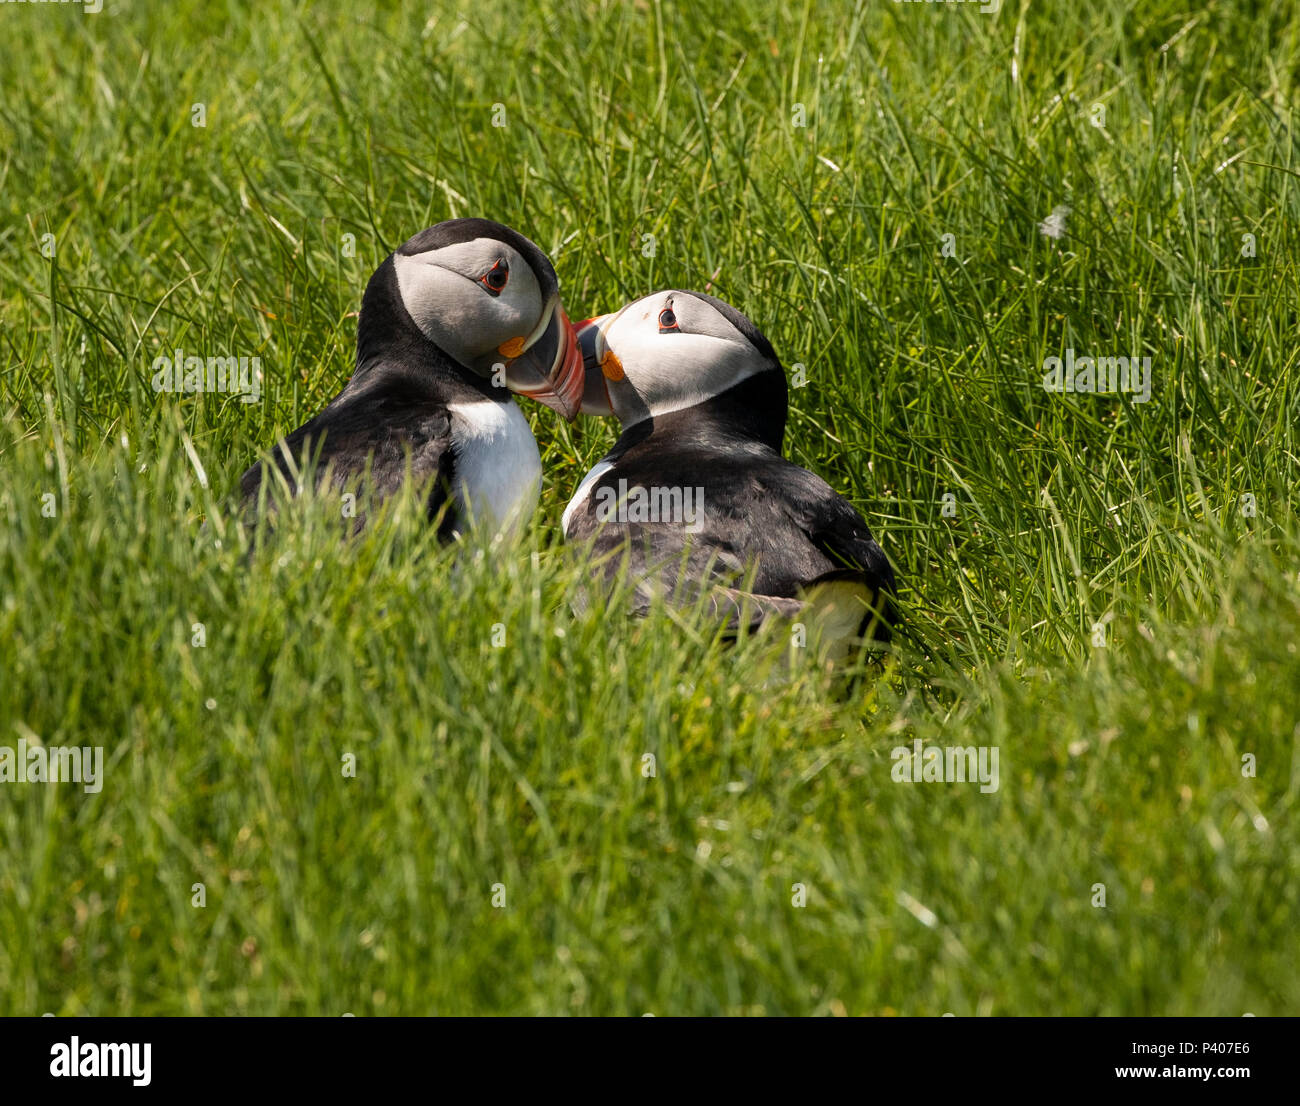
<point>521,765</point>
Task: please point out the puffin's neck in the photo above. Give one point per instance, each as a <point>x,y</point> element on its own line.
<point>753,411</point>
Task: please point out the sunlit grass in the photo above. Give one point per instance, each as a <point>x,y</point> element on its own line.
<point>499,737</point>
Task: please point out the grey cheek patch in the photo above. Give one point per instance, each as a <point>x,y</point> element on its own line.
<point>444,305</point>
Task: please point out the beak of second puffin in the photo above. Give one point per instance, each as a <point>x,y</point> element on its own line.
<point>595,390</point>
<point>549,369</point>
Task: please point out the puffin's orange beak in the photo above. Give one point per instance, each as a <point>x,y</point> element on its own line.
<point>548,365</point>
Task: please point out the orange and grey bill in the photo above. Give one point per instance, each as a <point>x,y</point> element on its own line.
<point>548,366</point>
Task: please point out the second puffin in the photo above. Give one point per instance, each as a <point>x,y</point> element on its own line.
<point>702,401</point>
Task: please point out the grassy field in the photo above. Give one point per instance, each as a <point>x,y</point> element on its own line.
<point>411,781</point>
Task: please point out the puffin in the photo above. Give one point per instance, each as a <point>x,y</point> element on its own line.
<point>452,322</point>
<point>696,496</point>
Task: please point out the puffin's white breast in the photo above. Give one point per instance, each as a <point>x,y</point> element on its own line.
<point>498,469</point>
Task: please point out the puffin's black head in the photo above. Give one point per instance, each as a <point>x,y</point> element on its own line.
<point>486,297</point>
<point>673,350</point>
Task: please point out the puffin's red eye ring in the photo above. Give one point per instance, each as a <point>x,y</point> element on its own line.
<point>495,279</point>
<point>668,321</point>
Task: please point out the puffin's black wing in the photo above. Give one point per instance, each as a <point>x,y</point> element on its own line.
<point>392,430</point>
<point>840,533</point>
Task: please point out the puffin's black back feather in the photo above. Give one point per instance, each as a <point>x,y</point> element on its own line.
<point>757,507</point>
<point>393,425</point>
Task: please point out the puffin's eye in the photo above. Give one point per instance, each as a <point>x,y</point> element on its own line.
<point>496,277</point>
<point>667,321</point>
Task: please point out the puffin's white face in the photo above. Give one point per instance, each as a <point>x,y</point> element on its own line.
<point>481,303</point>
<point>663,353</point>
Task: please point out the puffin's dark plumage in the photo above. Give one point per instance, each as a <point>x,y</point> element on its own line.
<point>703,401</point>
<point>457,315</point>
<point>394,423</point>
